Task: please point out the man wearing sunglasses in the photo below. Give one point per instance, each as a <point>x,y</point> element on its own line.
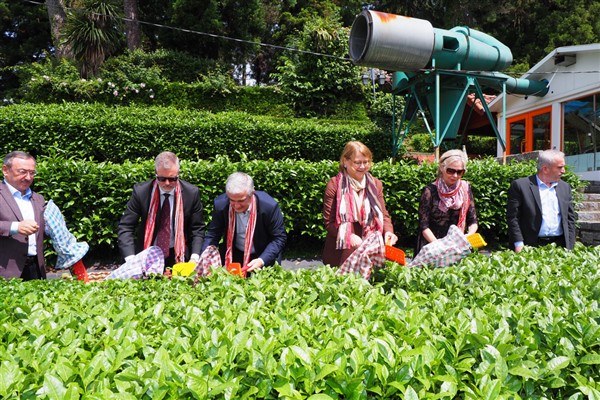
<point>165,212</point>
<point>21,220</point>
<point>539,209</point>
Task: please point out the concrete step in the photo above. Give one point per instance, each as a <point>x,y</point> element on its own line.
<point>588,216</point>
<point>591,197</point>
<point>589,206</point>
<point>589,233</point>
<point>589,226</point>
<point>592,187</point>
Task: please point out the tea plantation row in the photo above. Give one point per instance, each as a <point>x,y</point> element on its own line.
<point>508,326</point>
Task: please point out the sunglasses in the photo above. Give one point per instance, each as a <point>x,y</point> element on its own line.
<point>166,178</point>
<point>452,171</point>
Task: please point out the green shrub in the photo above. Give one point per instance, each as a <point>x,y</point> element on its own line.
<point>509,326</point>
<point>95,131</point>
<point>420,142</point>
<point>93,195</point>
<point>148,79</point>
<point>482,145</point>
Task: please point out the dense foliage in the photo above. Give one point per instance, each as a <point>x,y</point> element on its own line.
<point>508,326</point>
<point>93,195</point>
<point>95,131</point>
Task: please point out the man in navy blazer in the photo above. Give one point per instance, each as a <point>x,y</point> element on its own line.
<point>21,220</point>
<point>540,209</point>
<point>268,237</point>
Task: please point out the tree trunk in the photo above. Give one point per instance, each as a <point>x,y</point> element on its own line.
<point>132,26</point>
<point>57,17</point>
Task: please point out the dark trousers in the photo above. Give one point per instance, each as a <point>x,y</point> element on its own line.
<point>170,260</point>
<point>238,256</point>
<point>31,270</point>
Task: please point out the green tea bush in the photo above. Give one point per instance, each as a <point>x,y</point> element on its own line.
<point>102,133</point>
<point>505,326</point>
<point>93,195</point>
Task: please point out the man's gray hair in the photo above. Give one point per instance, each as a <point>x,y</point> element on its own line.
<point>549,157</point>
<point>239,182</point>
<point>166,160</point>
<point>16,154</point>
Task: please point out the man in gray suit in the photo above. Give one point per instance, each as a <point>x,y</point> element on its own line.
<point>540,209</point>
<point>21,220</point>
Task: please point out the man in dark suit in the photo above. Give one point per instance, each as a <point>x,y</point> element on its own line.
<point>250,222</point>
<point>165,212</point>
<point>21,220</point>
<point>540,210</point>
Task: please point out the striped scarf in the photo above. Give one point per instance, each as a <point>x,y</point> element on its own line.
<point>151,221</point>
<point>249,234</point>
<point>454,199</point>
<point>369,214</point>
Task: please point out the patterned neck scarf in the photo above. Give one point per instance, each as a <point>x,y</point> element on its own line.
<point>151,221</point>
<point>249,234</point>
<point>368,213</point>
<point>454,198</point>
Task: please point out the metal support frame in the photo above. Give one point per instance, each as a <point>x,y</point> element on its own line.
<point>418,87</point>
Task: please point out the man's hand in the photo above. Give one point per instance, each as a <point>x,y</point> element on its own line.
<point>28,227</point>
<point>255,265</point>
<point>518,249</point>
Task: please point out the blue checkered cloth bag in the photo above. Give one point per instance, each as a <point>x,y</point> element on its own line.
<point>149,261</point>
<point>65,244</point>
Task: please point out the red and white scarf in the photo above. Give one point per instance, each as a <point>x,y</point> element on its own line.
<point>454,199</point>
<point>249,234</point>
<point>369,214</point>
<point>151,221</point>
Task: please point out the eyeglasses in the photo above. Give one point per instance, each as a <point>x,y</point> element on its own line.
<point>361,163</point>
<point>452,171</point>
<point>167,178</point>
<point>25,172</point>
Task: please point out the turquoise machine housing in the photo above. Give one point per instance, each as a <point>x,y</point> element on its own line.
<point>435,69</point>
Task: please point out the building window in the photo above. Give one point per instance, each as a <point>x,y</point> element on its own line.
<point>529,132</point>
<point>581,125</point>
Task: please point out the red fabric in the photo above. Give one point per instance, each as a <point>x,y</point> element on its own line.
<point>370,214</point>
<point>249,234</point>
<point>454,199</point>
<point>151,221</point>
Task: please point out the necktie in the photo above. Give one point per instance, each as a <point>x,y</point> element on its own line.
<point>163,237</point>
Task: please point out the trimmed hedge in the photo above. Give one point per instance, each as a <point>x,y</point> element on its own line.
<point>103,133</point>
<point>93,195</point>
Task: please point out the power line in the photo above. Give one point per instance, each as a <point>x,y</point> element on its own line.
<point>284,48</point>
<point>213,35</point>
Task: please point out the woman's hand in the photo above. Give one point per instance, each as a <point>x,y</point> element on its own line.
<point>390,238</point>
<point>472,229</point>
<point>355,240</point>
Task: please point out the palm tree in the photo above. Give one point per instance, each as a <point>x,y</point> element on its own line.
<point>92,32</point>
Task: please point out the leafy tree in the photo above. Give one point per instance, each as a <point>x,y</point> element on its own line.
<point>319,85</point>
<point>92,31</point>
<point>24,38</point>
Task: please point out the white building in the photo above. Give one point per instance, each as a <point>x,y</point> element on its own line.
<point>567,118</point>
